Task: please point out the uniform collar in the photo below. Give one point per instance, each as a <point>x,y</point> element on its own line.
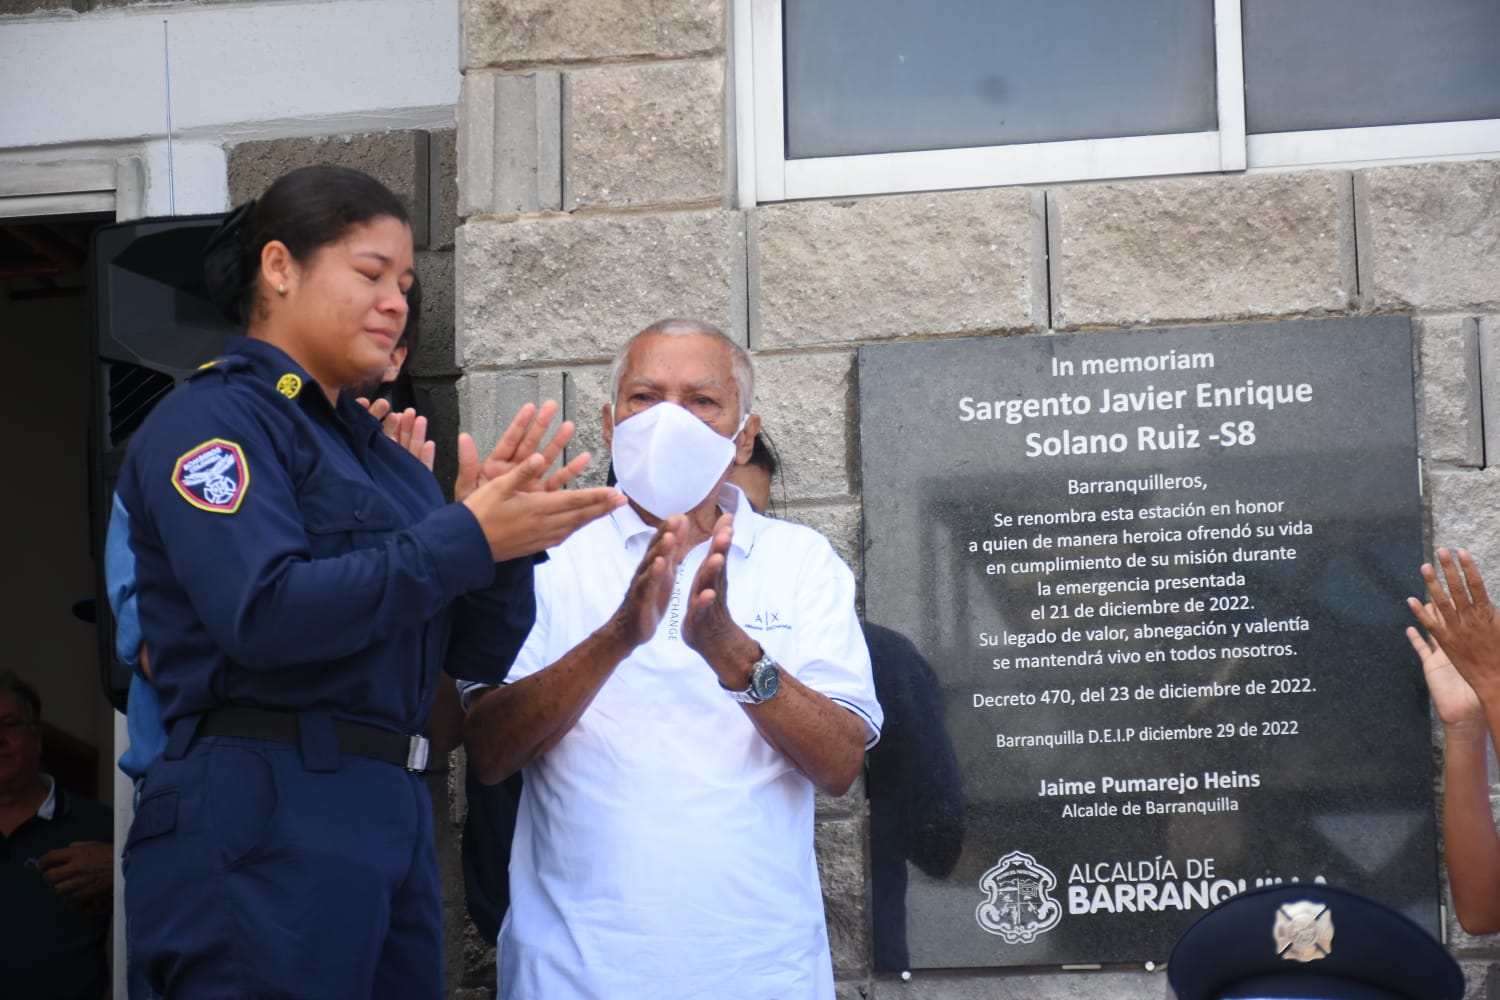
<point>287,377</point>
<point>268,360</point>
<point>732,500</point>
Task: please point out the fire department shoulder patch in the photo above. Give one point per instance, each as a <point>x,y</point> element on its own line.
<point>213,476</point>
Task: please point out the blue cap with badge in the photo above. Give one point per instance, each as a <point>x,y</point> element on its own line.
<point>1310,942</point>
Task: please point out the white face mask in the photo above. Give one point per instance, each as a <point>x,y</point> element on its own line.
<point>667,460</point>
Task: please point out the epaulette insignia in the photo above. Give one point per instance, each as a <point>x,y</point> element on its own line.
<point>289,385</point>
<point>208,364</point>
<point>213,476</point>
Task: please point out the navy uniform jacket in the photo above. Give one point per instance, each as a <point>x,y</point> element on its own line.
<point>291,556</point>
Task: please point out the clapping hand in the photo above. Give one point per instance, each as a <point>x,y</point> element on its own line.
<point>1462,622</point>
<point>521,508</point>
<point>707,626</point>
<point>523,438</point>
<point>405,428</point>
<point>650,590</point>
<point>1456,703</point>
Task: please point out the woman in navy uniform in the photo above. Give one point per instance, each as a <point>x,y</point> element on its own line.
<point>301,585</point>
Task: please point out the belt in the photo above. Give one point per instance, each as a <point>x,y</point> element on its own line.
<point>357,738</point>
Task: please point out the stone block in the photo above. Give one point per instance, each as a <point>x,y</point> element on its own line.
<point>1450,428</point>
<point>1489,387</point>
<point>437,400</point>
<point>1463,504</point>
<point>1201,249</point>
<point>839,523</point>
<point>399,160</point>
<point>525,32</point>
<point>458,793</point>
<point>575,287</point>
<point>806,402</point>
<point>1001,985</point>
<point>1429,236</point>
<point>949,262</point>
<point>477,971</point>
<point>443,175</point>
<point>644,134</point>
<point>851,803</point>
<point>434,354</point>
<point>490,400</point>
<point>587,390</point>
<point>1481,981</point>
<point>510,143</point>
<point>841,869</point>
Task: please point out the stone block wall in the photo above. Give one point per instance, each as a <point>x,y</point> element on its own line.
<point>596,196</point>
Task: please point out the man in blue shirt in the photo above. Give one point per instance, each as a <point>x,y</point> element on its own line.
<point>54,867</point>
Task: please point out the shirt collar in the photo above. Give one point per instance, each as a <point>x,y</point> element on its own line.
<point>49,804</point>
<point>731,499</point>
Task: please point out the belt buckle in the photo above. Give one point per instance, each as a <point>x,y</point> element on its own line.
<point>416,754</point>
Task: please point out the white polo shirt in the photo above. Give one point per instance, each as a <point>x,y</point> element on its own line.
<point>663,849</point>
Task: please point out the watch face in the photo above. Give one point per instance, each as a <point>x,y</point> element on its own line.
<point>765,679</point>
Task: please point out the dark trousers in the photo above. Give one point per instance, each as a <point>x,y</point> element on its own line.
<point>250,874</point>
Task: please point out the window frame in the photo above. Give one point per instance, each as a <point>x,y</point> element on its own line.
<point>766,175</point>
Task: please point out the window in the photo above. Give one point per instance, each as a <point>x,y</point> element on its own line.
<point>865,96</point>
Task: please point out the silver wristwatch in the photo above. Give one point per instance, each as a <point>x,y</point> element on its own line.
<point>765,681</point>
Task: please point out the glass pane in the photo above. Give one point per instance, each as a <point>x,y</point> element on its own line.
<point>1314,64</point>
<point>878,76</point>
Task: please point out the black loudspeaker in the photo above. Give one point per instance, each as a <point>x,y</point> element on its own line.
<point>153,326</point>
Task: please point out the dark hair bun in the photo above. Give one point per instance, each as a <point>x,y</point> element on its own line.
<point>222,271</point>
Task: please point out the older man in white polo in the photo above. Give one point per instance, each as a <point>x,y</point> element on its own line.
<point>695,672</point>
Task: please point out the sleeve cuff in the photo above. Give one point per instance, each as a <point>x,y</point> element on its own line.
<point>469,690</point>
<point>872,730</point>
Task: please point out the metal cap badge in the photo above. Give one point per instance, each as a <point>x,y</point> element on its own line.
<point>1303,931</point>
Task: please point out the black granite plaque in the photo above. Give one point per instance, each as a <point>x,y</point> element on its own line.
<point>1153,584</point>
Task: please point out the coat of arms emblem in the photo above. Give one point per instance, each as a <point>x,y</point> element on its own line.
<point>1018,908</point>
